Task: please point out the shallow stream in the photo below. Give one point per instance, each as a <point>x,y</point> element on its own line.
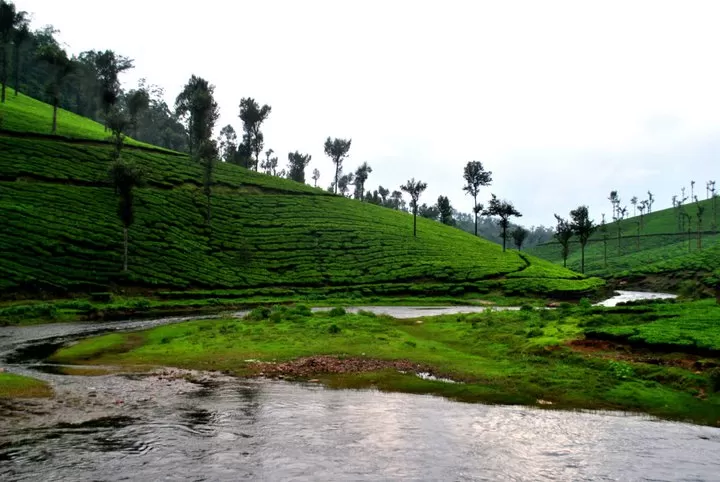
<point>164,427</point>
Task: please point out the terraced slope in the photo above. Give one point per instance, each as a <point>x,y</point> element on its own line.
<point>659,242</point>
<point>61,232</point>
<point>23,114</point>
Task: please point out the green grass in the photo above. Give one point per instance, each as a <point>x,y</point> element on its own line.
<point>18,386</point>
<point>688,327</point>
<point>661,247</point>
<point>62,235</point>
<point>25,114</point>
<point>502,357</point>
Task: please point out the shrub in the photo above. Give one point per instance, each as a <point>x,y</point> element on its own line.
<point>259,313</point>
<point>338,311</point>
<point>621,370</point>
<point>301,310</point>
<point>333,329</point>
<point>526,307</point>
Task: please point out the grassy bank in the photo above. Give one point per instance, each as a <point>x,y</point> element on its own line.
<point>501,357</point>
<point>18,386</point>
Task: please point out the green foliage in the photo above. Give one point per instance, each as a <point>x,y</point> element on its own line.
<point>18,386</point>
<point>337,311</point>
<point>621,370</point>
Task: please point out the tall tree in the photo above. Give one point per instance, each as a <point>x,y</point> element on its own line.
<point>692,190</point>
<point>583,227</point>
<point>504,210</point>
<point>446,210</point>
<point>138,100</point>
<point>603,230</point>
<point>650,200</point>
<point>414,189</point>
<point>361,175</point>
<point>124,176</point>
<point>476,177</point>
<point>316,176</point>
<point>108,67</point>
<point>227,143</point>
<point>429,212</point>
<point>563,234</point>
<point>621,214</point>
<point>519,235</point>
<point>296,166</point>
<point>197,102</point>
<point>634,202</point>
<point>615,201</point>
<point>60,67</point>
<point>253,116</point>
<point>700,213</point>
<point>21,35</point>
<point>337,150</point>
<point>10,19</point>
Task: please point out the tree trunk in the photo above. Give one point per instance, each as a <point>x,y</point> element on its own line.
<point>16,71</point>
<point>3,74</point>
<point>582,258</point>
<point>476,214</point>
<point>605,249</point>
<point>337,167</point>
<point>699,236</point>
<point>54,120</point>
<point>125,249</point>
<point>415,221</point>
<point>504,236</point>
<point>209,207</point>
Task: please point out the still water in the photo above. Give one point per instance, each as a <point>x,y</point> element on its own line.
<point>143,427</point>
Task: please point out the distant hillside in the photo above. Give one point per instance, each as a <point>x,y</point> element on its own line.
<point>61,232</point>
<point>663,237</point>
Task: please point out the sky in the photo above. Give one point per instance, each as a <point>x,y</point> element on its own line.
<point>563,101</point>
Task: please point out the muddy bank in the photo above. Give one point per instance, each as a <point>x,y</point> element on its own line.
<point>328,365</point>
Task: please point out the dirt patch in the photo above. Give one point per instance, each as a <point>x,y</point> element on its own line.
<point>618,351</point>
<point>316,365</point>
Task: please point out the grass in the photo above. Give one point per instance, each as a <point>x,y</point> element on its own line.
<point>62,235</point>
<point>662,247</point>
<point>18,386</point>
<point>501,357</point>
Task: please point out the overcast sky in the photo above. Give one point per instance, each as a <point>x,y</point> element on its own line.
<point>563,101</point>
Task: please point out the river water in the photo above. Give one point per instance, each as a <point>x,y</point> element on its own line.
<point>161,427</point>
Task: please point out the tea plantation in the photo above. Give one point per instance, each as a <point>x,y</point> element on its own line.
<point>61,232</point>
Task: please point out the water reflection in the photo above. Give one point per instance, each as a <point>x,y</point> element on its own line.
<point>266,430</point>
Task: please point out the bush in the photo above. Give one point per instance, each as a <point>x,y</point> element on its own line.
<point>333,329</point>
<point>526,307</point>
<point>621,370</point>
<point>301,310</point>
<point>259,313</point>
<point>338,311</point>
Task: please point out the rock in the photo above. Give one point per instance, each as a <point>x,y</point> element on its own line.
<point>314,380</point>
<point>544,402</point>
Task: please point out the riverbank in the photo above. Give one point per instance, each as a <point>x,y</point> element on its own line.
<point>113,307</point>
<point>663,358</point>
<point>18,386</point>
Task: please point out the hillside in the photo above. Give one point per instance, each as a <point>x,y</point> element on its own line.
<point>660,242</point>
<point>62,235</point>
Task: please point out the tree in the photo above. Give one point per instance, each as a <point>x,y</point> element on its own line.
<point>519,235</point>
<point>504,210</point>
<point>428,212</point>
<point>650,201</point>
<point>197,102</point>
<point>361,175</point>
<point>108,67</point>
<point>621,213</point>
<point>563,234</point>
<point>138,100</point>
<point>10,19</point>
<point>316,176</point>
<point>700,212</point>
<point>60,68</point>
<point>582,227</point>
<point>615,201</point>
<point>253,116</point>
<point>692,190</point>
<point>634,202</point>
<point>396,201</point>
<point>125,177</point>
<point>446,210</point>
<point>296,166</point>
<point>270,164</point>
<point>343,184</point>
<point>603,229</point>
<point>21,34</point>
<point>414,189</point>
<point>337,150</point>
<point>476,177</point>
<point>227,143</point>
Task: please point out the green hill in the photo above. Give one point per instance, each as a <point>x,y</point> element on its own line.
<point>61,233</point>
<point>661,242</point>
<point>23,114</point>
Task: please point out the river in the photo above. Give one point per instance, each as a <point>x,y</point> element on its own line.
<point>163,427</point>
